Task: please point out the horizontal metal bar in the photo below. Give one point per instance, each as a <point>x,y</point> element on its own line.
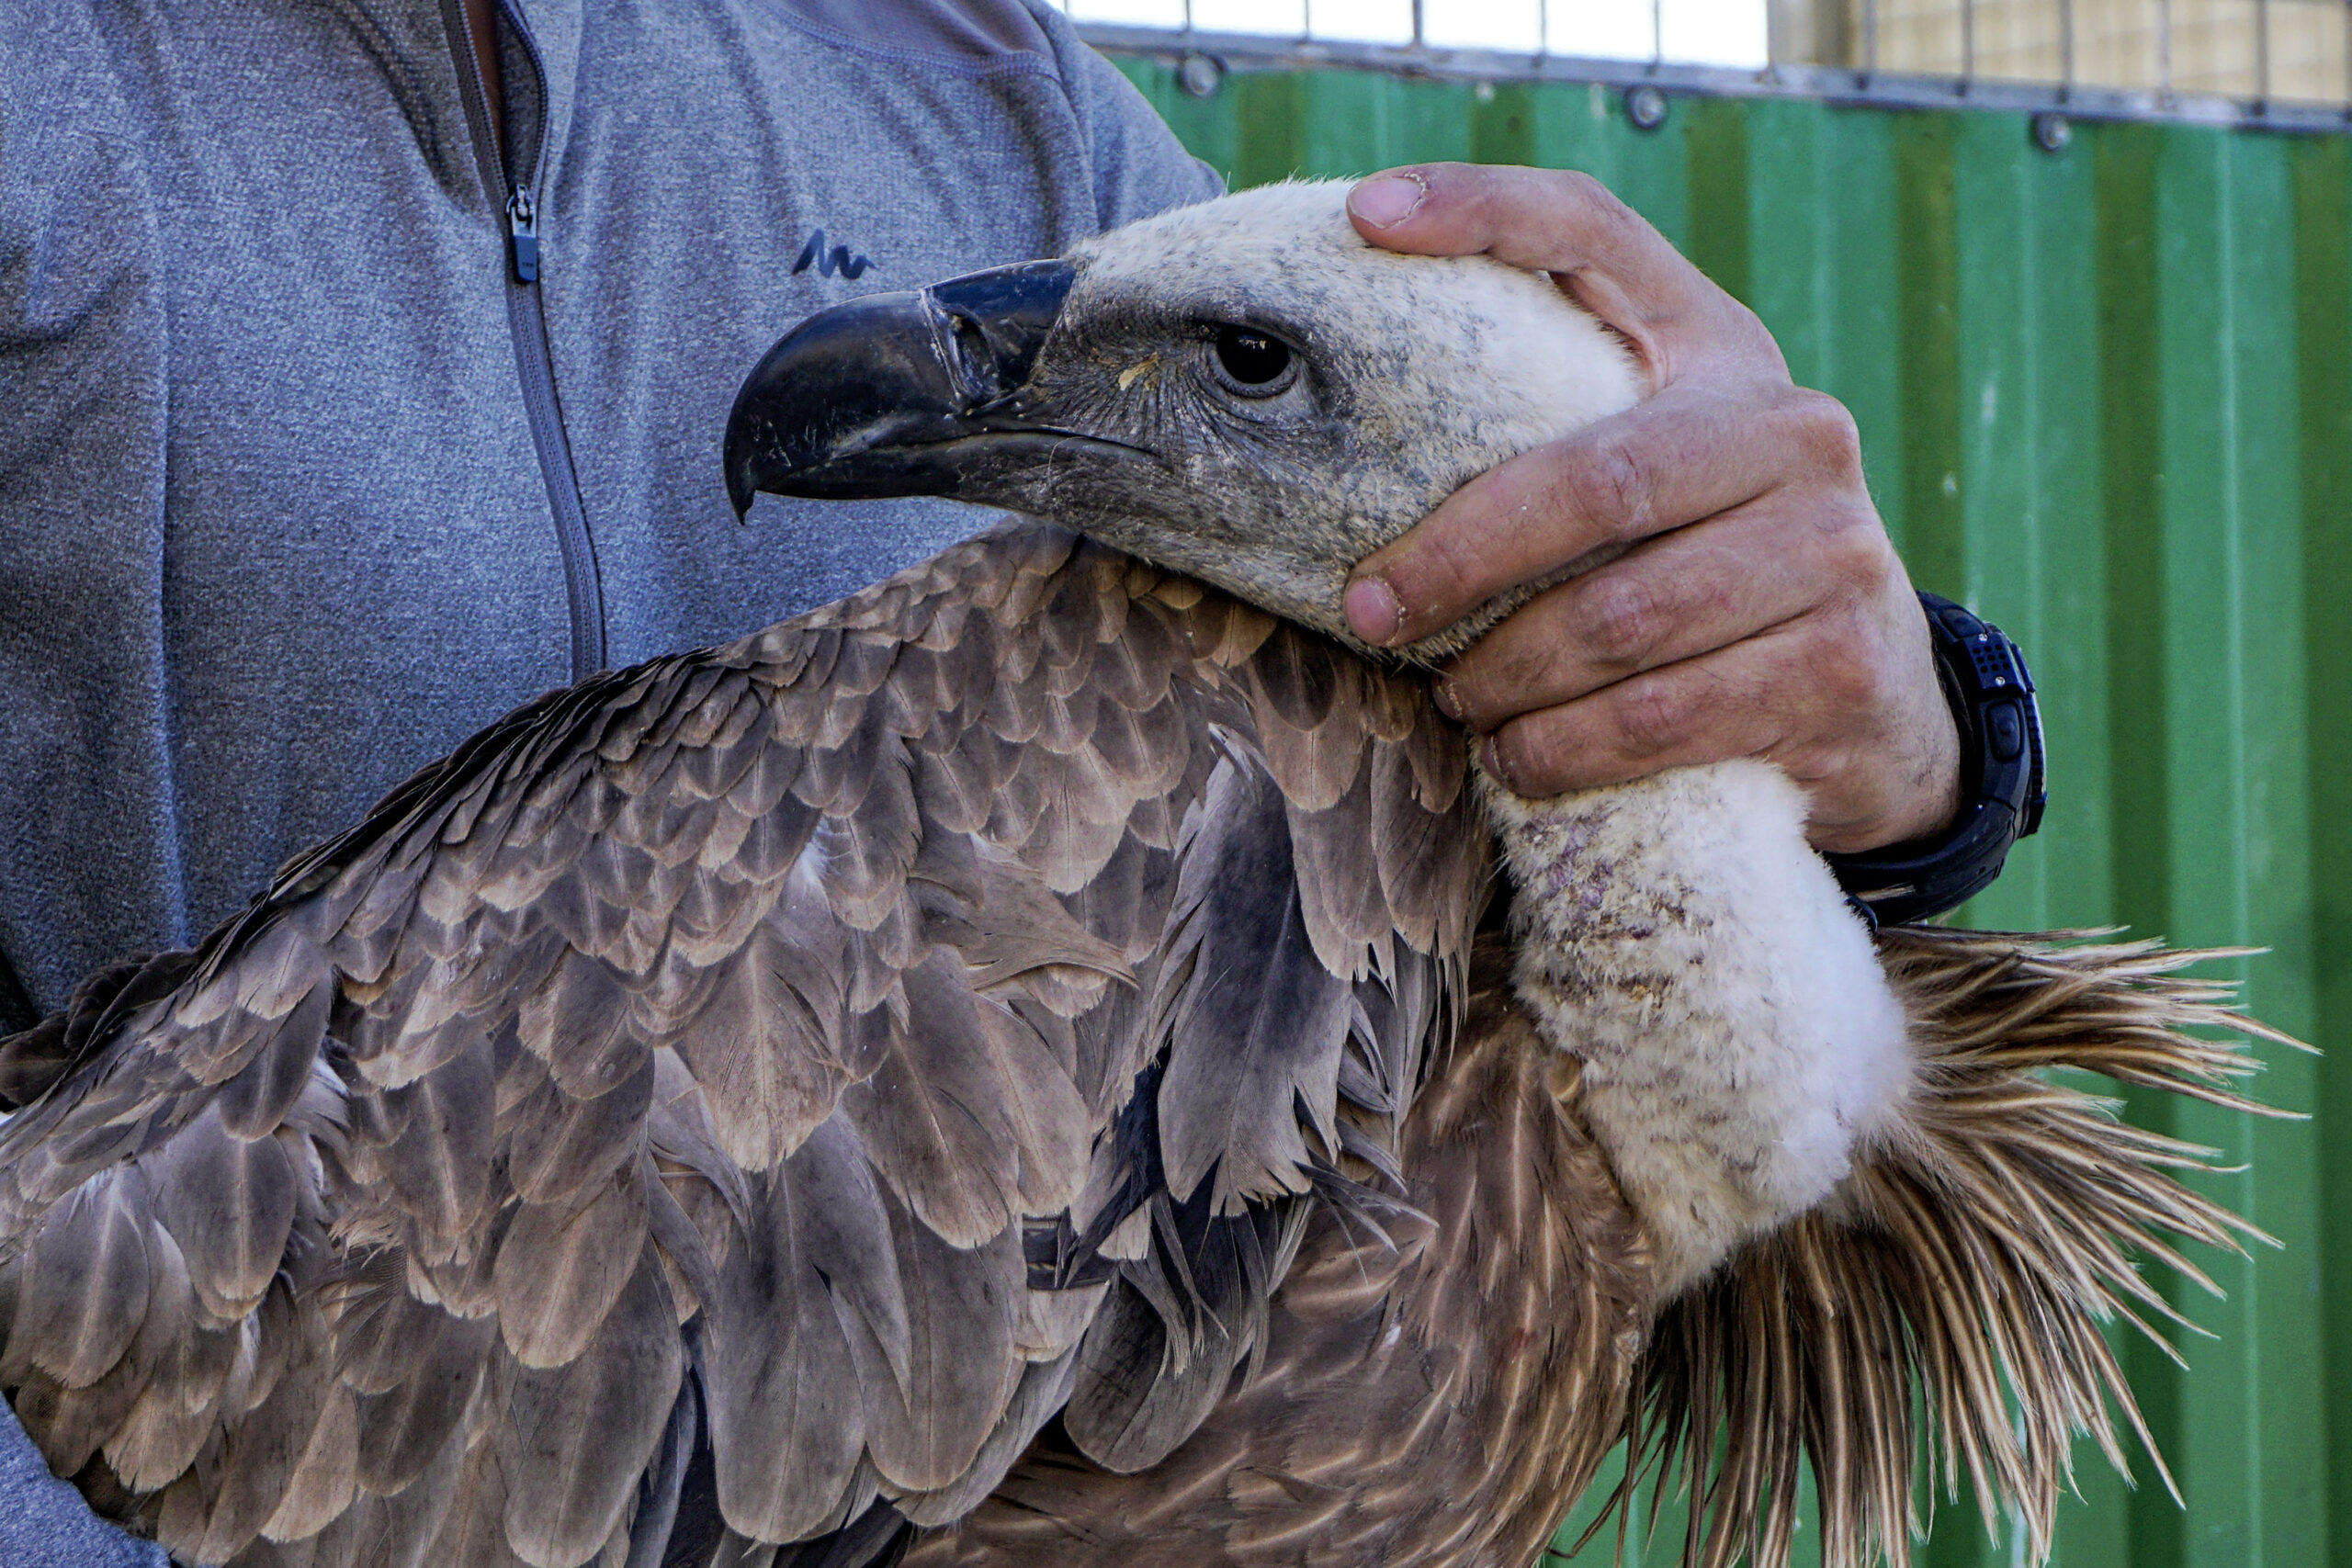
<point>1251,52</point>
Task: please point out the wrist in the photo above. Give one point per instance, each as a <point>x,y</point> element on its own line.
<point>1990,693</point>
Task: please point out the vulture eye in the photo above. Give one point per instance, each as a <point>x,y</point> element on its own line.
<point>1256,364</point>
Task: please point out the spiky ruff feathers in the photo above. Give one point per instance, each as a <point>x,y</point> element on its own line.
<point>1983,1241</point>
<point>1855,1180</point>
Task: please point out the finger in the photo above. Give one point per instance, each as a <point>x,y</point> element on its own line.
<point>1542,219</point>
<point>1689,453</point>
<point>1865,782</point>
<point>1566,223</point>
<point>1793,694</point>
<point>1703,710</point>
<point>1678,597</point>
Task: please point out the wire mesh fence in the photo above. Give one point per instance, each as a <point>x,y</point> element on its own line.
<point>1707,32</point>
<point>2257,51</point>
<point>2283,63</point>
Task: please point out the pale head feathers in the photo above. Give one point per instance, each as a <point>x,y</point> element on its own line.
<point>1414,374</point>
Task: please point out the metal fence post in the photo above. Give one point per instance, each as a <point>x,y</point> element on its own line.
<point>2261,55</point>
<point>2163,51</point>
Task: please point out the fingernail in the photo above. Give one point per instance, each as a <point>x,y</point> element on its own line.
<point>1449,701</point>
<point>1372,609</point>
<point>1491,755</point>
<point>1387,201</point>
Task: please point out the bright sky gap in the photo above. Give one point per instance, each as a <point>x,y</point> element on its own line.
<point>1690,32</point>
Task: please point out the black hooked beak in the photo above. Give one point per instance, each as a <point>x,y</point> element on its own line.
<point>902,394</point>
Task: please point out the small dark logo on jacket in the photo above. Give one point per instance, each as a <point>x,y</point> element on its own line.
<point>828,262</point>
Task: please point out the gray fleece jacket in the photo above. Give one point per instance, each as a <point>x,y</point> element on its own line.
<point>300,486</point>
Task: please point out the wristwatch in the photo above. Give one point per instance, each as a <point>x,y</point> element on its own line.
<point>1991,693</point>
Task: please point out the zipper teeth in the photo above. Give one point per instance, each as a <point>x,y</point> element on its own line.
<point>535,367</point>
<point>584,593</point>
<point>473,93</point>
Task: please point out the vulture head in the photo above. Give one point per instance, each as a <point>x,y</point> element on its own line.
<point>1245,391</point>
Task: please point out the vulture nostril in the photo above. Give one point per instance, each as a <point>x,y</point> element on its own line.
<point>1255,360</point>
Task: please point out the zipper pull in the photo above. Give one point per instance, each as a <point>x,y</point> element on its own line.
<point>523,234</point>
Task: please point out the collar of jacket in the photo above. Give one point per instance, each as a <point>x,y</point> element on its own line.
<point>550,31</point>
<point>415,43</point>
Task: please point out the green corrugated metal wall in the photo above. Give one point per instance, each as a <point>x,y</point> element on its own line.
<point>2105,398</point>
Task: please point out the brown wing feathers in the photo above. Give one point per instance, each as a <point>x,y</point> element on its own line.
<point>1435,1395</point>
<point>737,1021</point>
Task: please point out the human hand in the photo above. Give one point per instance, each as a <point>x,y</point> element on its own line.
<point>1759,609</point>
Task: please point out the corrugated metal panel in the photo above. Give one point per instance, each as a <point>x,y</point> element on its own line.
<point>2105,398</point>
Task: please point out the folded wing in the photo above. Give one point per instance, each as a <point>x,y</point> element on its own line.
<point>831,1054</point>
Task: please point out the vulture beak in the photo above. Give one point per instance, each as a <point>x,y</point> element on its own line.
<point>920,393</point>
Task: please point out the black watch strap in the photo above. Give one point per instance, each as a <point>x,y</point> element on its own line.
<point>1991,694</point>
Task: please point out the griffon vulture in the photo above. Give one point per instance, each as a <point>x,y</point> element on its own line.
<point>1021,1066</point>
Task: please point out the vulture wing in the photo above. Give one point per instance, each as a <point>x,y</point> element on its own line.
<point>824,1057</point>
<point>1436,1396</point>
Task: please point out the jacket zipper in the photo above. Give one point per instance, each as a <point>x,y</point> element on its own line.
<point>527,319</point>
<point>523,234</point>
